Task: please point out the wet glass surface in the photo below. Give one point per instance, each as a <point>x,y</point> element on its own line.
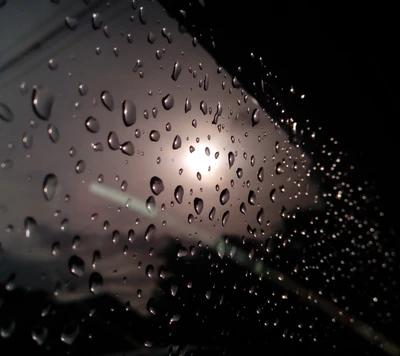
<point>151,203</point>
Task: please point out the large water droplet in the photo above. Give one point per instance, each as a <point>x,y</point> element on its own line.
<point>27,140</point>
<point>168,102</point>
<point>113,141</point>
<point>42,101</point>
<point>177,142</point>
<point>154,135</point>
<point>176,71</point>
<point>129,112</point>
<point>231,159</point>
<point>224,196</point>
<point>203,107</point>
<point>92,124</point>
<point>142,15</point>
<point>198,205</point>
<point>96,283</point>
<point>178,194</point>
<point>97,21</point>
<point>107,100</point>
<point>188,105</point>
<point>255,117</point>
<point>76,266</point>
<point>30,226</point>
<point>156,185</point>
<point>49,186</point>
<point>150,232</point>
<point>6,113</point>
<point>252,198</point>
<point>128,148</point>
<point>225,218</point>
<point>151,204</point>
<point>260,174</point>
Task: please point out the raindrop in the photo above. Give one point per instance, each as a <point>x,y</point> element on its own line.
<point>176,71</point>
<point>178,194</point>
<point>255,117</point>
<point>177,142</point>
<point>198,175</point>
<point>71,22</point>
<point>151,204</point>
<point>191,219</point>
<point>5,113</point>
<point>96,21</point>
<point>7,329</point>
<point>124,186</point>
<point>96,283</point>
<point>203,107</point>
<point>278,168</point>
<point>113,141</point>
<point>142,15</point>
<point>150,271</point>
<point>252,161</point>
<point>97,147</point>
<point>243,208</point>
<point>150,232</point>
<point>80,167</point>
<point>198,205</point>
<point>83,89</point>
<point>167,35</point>
<point>49,186</point>
<point>206,82</point>
<point>260,216</point>
<point>116,236</point>
<point>53,64</point>
<point>168,126</point>
<point>27,140</point>
<point>70,333</point>
<point>231,159</point>
<point>39,334</point>
<point>272,195</point>
<point>252,198</point>
<point>30,226</point>
<point>42,101</point>
<point>211,214</point>
<point>55,248</point>
<point>151,38</point>
<point>156,185</point>
<point>76,266</point>
<point>107,100</point>
<point>168,102</point>
<point>92,124</point>
<point>224,196</point>
<point>6,164</point>
<point>96,258</point>
<point>260,174</point>
<point>128,148</point>
<point>225,218</point>
<point>188,105</point>
<point>239,173</point>
<point>154,135</point>
<point>53,133</point>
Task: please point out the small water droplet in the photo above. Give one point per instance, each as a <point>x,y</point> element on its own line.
<point>92,124</point>
<point>178,194</point>
<point>260,216</point>
<point>198,205</point>
<point>231,159</point>
<point>80,167</point>
<point>150,232</point>
<point>279,168</point>
<point>50,186</point>
<point>156,185</point>
<point>239,173</point>
<point>224,196</point>
<point>225,218</point>
<point>55,248</point>
<point>97,21</point>
<point>177,142</point>
<point>83,89</point>
<point>53,133</point>
<point>211,214</point>
<point>96,283</point>
<point>27,140</point>
<point>107,100</point>
<point>272,195</point>
<point>203,107</point>
<point>53,64</point>
<point>96,258</point>
<point>142,15</point>
<point>154,135</point>
<point>128,148</point>
<point>124,186</point>
<point>151,38</point>
<point>71,22</point>
<point>188,105</point>
<point>7,328</point>
<point>255,117</point>
<point>151,204</point>
<point>70,333</point>
<point>30,226</point>
<point>176,71</point>
<point>252,198</point>
<point>39,334</point>
<point>97,147</point>
<point>76,266</point>
<point>6,113</point>
<point>168,102</point>
<point>165,33</point>
<point>150,271</point>
<point>260,174</point>
<point>42,101</point>
<point>243,208</point>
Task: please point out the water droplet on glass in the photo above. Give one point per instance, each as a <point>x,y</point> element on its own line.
<point>128,148</point>
<point>252,198</point>
<point>7,328</point>
<point>231,159</point>
<point>203,107</point>
<point>167,35</point>
<point>6,164</point>
<point>243,208</point>
<point>168,102</point>
<point>188,105</point>
<point>198,205</point>
<point>30,226</point>
<point>5,113</point>
<point>151,38</point>
<point>96,258</point>
<point>71,22</point>
<point>150,232</point>
<point>49,186</point>
<point>260,216</point>
<point>150,271</point>
<point>255,117</point>
<point>239,173</point>
<point>39,334</point>
<point>176,71</point>
<point>96,283</point>
<point>76,241</point>
<point>55,248</point>
<point>92,124</point>
<point>260,174</point>
<point>279,168</point>
<point>53,133</point>
<point>206,82</point>
<point>113,141</point>
<point>97,147</point>
<point>151,204</point>
<point>53,64</point>
<point>83,89</point>
<point>224,196</point>
<point>107,100</point>
<point>211,214</point>
<point>80,167</point>
<point>96,21</point>
<point>225,218</point>
<point>70,333</point>
<point>142,15</point>
<point>76,266</point>
<point>156,185</point>
<point>178,194</point>
<point>27,140</point>
<point>191,219</point>
<point>42,101</point>
<point>154,135</point>
<point>198,175</point>
<point>177,142</point>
